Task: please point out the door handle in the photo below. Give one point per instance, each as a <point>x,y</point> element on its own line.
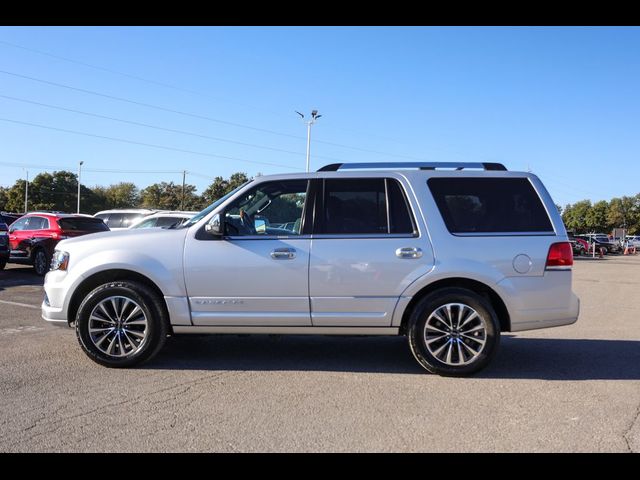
<point>283,254</point>
<point>409,252</point>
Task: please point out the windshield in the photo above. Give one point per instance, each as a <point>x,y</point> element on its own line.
<point>196,218</point>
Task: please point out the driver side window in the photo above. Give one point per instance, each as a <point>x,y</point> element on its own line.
<point>273,208</point>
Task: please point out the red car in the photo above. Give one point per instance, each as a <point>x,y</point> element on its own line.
<point>33,237</point>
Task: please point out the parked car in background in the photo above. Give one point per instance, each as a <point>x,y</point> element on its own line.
<point>633,240</point>
<point>4,245</point>
<point>163,219</point>
<point>119,219</point>
<point>33,237</point>
<point>578,245</point>
<point>603,241</point>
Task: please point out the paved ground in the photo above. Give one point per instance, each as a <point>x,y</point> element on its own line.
<point>574,388</point>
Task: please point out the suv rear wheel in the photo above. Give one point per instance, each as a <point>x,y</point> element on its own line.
<point>121,324</point>
<point>453,332</point>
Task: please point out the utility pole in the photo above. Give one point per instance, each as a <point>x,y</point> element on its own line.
<point>314,117</point>
<point>184,176</point>
<point>26,192</point>
<point>79,174</point>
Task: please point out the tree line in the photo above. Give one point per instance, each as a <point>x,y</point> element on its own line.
<point>603,216</point>
<point>58,191</point>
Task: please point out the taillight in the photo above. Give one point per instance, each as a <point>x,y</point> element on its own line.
<point>560,256</point>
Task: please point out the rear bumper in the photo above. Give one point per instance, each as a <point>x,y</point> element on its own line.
<point>540,302</point>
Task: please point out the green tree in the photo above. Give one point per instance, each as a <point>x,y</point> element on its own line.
<point>4,197</point>
<point>220,187</point>
<point>168,196</point>
<point>48,191</point>
<point>596,217</point>
<point>574,216</point>
<point>118,195</point>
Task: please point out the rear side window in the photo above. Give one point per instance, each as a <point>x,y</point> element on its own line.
<point>82,224</point>
<point>489,205</point>
<point>365,206</point>
<point>36,223</point>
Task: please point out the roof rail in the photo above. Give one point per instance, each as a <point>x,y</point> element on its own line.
<point>333,167</point>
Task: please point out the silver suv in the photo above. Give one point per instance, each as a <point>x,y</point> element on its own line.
<point>447,254</point>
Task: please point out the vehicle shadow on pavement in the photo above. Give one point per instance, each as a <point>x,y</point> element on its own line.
<point>19,276</point>
<point>566,359</point>
<point>518,358</point>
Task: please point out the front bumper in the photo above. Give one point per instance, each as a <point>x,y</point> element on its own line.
<point>54,306</point>
<point>54,316</point>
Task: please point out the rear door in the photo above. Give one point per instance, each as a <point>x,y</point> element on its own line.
<point>366,250</point>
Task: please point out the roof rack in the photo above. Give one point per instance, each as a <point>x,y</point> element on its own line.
<point>334,167</point>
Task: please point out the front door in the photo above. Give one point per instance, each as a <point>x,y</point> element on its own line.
<point>258,273</point>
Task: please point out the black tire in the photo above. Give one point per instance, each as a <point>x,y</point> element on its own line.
<point>41,262</point>
<point>155,331</point>
<point>486,317</point>
<point>2,265</point>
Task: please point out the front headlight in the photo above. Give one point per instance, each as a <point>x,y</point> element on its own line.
<point>60,260</point>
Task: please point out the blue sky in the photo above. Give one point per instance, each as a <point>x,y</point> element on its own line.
<point>563,102</point>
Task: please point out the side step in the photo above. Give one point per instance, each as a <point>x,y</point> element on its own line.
<point>179,329</point>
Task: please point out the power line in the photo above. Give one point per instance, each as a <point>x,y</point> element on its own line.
<point>175,87</point>
<point>149,105</point>
<point>141,79</point>
<point>164,129</point>
<point>204,117</point>
<point>133,142</point>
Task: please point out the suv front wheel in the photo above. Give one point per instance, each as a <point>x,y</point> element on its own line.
<point>453,332</point>
<point>121,324</point>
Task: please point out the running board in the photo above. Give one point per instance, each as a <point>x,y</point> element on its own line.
<point>290,330</point>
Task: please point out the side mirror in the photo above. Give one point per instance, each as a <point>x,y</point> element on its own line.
<point>215,226</point>
<point>11,230</point>
<point>260,226</point>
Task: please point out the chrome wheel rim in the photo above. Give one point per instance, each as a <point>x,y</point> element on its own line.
<point>455,334</point>
<point>118,326</point>
<point>41,262</point>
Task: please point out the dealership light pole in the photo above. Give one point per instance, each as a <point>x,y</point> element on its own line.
<point>26,192</point>
<point>314,117</point>
<point>79,175</point>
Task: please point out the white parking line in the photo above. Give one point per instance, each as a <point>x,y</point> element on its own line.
<point>20,304</point>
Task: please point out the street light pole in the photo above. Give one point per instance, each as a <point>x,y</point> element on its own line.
<point>314,117</point>
<point>26,193</point>
<point>79,175</point>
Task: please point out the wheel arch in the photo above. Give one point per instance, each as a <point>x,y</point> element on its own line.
<point>105,276</point>
<point>474,285</point>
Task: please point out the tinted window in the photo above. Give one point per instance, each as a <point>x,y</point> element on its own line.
<point>82,224</point>
<point>482,205</point>
<point>399,211</point>
<point>359,206</point>
<point>355,206</point>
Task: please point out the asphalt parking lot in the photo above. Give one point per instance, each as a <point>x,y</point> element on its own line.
<point>567,389</point>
